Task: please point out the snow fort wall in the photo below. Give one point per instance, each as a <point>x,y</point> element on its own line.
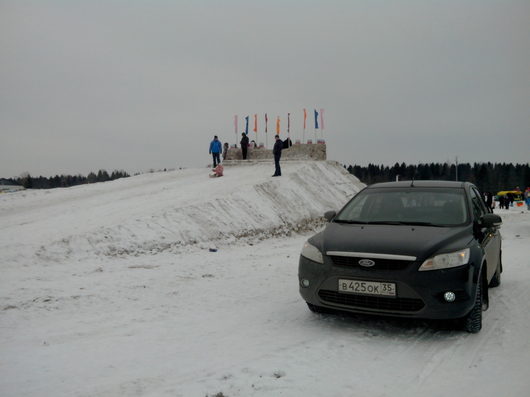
<point>311,152</point>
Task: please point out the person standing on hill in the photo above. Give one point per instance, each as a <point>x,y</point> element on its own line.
<point>244,145</point>
<point>215,150</point>
<point>277,151</point>
<point>527,197</point>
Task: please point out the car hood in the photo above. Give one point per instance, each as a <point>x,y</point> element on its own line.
<point>418,241</point>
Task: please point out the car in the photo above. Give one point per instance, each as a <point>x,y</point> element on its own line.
<point>412,249</point>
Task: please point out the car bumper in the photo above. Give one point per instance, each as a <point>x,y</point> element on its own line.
<point>418,294</point>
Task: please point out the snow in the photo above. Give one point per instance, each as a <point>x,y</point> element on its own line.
<point>111,290</point>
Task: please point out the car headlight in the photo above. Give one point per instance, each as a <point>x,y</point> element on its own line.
<point>446,261</point>
<point>312,253</point>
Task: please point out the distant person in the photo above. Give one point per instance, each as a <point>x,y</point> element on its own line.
<point>504,202</point>
<point>215,150</point>
<point>527,198</point>
<point>489,200</point>
<point>225,150</point>
<point>277,151</point>
<point>253,144</point>
<point>244,145</point>
<point>511,199</point>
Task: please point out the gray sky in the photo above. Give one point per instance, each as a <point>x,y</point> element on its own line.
<point>137,85</point>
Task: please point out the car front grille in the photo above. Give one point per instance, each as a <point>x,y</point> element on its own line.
<point>380,264</point>
<point>372,302</point>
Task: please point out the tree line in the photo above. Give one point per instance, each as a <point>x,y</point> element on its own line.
<point>488,177</point>
<point>42,182</point>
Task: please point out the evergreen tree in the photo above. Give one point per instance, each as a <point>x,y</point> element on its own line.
<point>92,178</point>
<point>26,180</point>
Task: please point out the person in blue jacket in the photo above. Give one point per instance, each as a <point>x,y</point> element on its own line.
<point>216,148</point>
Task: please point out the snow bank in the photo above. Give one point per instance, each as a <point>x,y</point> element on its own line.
<point>163,211</point>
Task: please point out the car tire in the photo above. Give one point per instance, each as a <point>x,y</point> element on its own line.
<point>496,279</point>
<point>472,323</point>
<point>317,309</point>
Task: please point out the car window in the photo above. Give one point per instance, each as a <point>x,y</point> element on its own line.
<point>479,208</point>
<point>408,206</point>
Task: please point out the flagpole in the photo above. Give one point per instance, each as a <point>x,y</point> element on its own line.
<point>303,133</point>
<point>322,124</point>
<point>266,131</point>
<point>288,126</point>
<point>235,127</point>
<point>256,127</point>
<point>315,114</point>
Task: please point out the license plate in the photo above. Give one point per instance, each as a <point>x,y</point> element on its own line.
<point>367,287</point>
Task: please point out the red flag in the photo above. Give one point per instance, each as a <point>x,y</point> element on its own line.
<point>288,122</point>
<point>255,123</point>
<point>278,125</point>
<point>266,121</point>
<point>305,117</point>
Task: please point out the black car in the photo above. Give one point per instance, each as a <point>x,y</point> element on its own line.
<point>423,249</point>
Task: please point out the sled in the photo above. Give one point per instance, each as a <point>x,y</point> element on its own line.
<point>217,171</point>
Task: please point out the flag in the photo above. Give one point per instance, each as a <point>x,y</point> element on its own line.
<point>305,117</point>
<point>288,122</point>
<point>235,123</point>
<point>278,125</point>
<point>246,125</point>
<point>322,119</point>
<point>255,123</point>
<point>266,121</point>
<point>316,120</point>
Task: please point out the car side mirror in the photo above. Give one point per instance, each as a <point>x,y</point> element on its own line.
<point>329,215</point>
<point>490,220</point>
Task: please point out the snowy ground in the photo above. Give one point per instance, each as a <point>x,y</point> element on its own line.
<point>82,319</point>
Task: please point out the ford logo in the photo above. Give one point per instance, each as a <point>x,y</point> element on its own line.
<point>366,262</point>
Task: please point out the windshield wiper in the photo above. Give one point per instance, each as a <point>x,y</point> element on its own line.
<point>349,222</point>
<point>385,223</point>
<point>409,223</point>
<point>423,224</point>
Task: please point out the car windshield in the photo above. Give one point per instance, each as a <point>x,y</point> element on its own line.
<point>410,206</point>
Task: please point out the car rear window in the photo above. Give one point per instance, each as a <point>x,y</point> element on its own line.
<point>439,207</point>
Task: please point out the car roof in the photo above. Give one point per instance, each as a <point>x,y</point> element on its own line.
<point>430,184</point>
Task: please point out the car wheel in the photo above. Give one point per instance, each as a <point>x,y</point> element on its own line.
<point>496,280</point>
<point>473,321</point>
<point>317,309</point>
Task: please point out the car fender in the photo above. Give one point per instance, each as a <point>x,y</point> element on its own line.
<point>482,274</point>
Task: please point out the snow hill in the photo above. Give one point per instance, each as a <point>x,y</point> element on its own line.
<point>157,212</point>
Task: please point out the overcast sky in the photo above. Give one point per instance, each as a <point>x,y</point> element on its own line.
<point>139,85</point>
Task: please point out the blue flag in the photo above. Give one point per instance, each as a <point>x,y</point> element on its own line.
<point>246,126</point>
<point>316,120</point>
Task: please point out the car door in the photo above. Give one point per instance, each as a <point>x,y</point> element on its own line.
<point>489,238</point>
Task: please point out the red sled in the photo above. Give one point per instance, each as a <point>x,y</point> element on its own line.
<point>217,171</point>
